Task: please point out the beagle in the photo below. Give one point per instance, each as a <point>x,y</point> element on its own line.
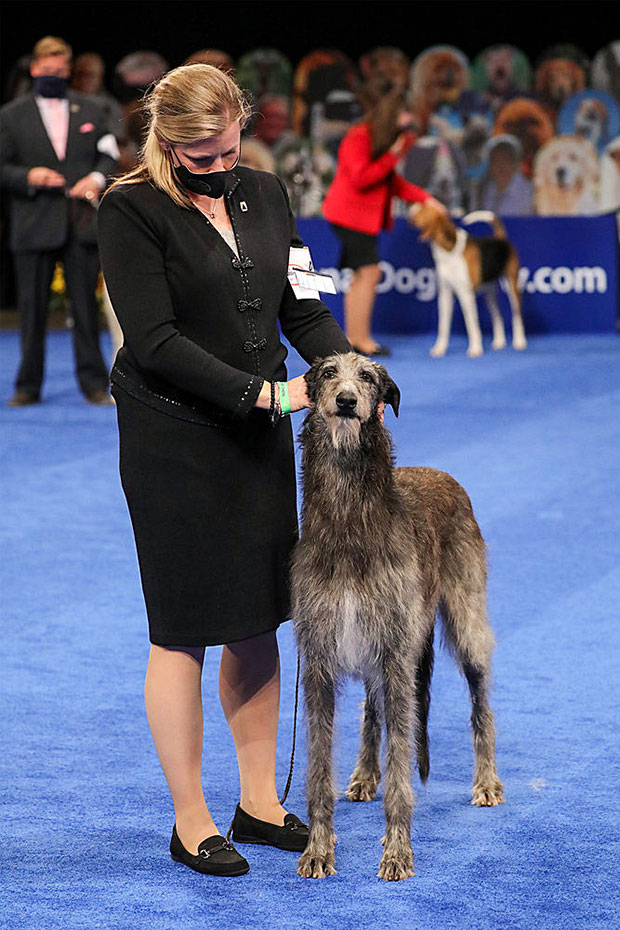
<point>466,264</point>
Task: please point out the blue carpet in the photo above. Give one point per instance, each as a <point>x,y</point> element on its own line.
<point>534,437</point>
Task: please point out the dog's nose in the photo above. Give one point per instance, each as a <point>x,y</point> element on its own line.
<point>346,400</point>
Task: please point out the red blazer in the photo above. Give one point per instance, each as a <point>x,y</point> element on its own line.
<point>360,196</point>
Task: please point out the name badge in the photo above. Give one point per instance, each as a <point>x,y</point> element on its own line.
<point>306,283</point>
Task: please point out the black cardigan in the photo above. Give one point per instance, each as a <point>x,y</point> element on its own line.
<point>201,325</point>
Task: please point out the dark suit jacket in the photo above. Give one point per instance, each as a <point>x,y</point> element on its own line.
<point>200,325</point>
<point>41,219</point>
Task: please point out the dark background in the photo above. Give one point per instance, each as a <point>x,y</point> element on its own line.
<point>175,28</point>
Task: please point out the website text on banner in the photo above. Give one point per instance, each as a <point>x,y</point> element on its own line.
<point>569,274</point>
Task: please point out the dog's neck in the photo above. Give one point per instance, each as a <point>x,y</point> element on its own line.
<point>354,479</point>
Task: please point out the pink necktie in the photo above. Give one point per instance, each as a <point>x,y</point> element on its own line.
<point>59,127</point>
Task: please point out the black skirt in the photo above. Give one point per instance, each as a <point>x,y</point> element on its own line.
<point>358,248</point>
<point>214,516</point>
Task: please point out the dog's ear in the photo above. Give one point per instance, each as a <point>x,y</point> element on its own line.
<point>311,379</point>
<point>389,393</point>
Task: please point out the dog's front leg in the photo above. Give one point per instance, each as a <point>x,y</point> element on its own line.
<point>397,860</point>
<point>469,309</point>
<point>317,860</point>
<point>445,306</point>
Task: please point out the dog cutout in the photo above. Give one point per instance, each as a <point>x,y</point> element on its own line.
<point>464,265</point>
<point>528,121</point>
<point>566,173</point>
<point>382,551</point>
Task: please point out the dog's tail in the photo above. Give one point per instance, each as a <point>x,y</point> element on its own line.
<point>486,216</point>
<point>424,674</point>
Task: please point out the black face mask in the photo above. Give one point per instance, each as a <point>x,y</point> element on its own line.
<point>209,184</point>
<point>50,85</point>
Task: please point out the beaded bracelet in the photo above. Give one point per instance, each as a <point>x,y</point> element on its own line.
<point>275,409</point>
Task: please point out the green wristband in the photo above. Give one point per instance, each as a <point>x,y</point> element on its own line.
<point>285,400</point>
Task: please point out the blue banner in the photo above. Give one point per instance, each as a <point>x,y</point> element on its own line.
<point>569,274</point>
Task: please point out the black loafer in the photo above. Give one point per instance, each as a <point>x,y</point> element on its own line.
<point>216,856</point>
<point>292,836</point>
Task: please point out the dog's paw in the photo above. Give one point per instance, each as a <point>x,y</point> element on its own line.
<point>316,865</point>
<point>362,789</point>
<point>438,350</point>
<point>488,795</point>
<point>519,344</point>
<point>475,352</point>
<point>498,344</point>
<point>396,867</point>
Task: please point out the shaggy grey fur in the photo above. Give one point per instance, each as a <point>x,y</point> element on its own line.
<point>382,551</point>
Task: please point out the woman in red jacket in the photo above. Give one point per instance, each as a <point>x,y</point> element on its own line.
<point>358,203</point>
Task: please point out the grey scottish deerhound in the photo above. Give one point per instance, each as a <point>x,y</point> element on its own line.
<point>382,551</point>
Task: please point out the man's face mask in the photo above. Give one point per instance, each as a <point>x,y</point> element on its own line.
<point>209,183</point>
<point>50,85</point>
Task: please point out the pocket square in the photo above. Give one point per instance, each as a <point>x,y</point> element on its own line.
<point>86,127</point>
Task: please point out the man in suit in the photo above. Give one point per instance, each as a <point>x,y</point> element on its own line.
<point>56,151</point>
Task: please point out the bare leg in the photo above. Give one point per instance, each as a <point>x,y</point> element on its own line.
<point>250,696</point>
<point>359,302</point>
<point>174,710</point>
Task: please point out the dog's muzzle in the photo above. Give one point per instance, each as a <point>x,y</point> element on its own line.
<point>346,402</point>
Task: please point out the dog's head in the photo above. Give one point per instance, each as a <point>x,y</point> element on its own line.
<point>557,79</point>
<point>591,119</point>
<point>433,225</point>
<point>346,391</point>
<point>528,121</point>
<point>565,164</point>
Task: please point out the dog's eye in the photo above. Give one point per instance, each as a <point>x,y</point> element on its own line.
<point>329,373</point>
<point>366,376</point>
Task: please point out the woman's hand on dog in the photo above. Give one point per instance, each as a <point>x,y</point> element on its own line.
<point>298,396</point>
<point>297,392</point>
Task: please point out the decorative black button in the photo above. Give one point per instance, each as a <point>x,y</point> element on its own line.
<point>242,263</point>
<point>251,346</point>
<point>244,305</point>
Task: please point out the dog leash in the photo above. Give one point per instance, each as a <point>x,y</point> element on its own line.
<point>289,779</point>
<point>290,771</point>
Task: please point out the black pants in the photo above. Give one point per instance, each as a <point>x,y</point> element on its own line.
<point>33,274</point>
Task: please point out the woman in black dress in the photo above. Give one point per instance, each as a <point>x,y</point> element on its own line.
<point>195,256</point>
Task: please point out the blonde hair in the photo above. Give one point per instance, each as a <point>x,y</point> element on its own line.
<point>186,105</point>
<point>51,45</point>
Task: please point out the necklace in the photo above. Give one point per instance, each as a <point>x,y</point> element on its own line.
<point>214,207</point>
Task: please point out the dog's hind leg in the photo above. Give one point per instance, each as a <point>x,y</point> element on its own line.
<point>367,773</point>
<point>463,610</point>
<point>317,860</point>
<point>499,332</point>
<point>397,860</point>
<point>511,282</point>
